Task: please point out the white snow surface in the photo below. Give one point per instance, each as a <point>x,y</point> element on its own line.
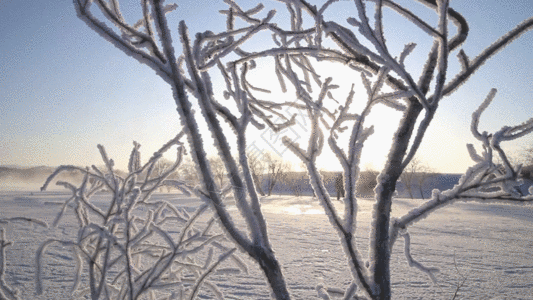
<point>490,245</point>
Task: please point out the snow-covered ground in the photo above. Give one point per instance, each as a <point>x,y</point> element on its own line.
<point>488,246</point>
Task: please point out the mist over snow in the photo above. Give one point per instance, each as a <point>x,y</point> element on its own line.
<point>15,178</point>
<point>30,179</point>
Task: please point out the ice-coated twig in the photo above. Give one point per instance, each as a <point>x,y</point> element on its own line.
<point>135,158</point>
<point>202,277</point>
<point>344,229</point>
<point>239,42</point>
<point>24,219</point>
<point>409,16</point>
<point>485,180</point>
<point>443,50</point>
<point>223,147</point>
<point>479,60</point>
<point>322,293</point>
<point>123,239</point>
<point>6,292</point>
<point>125,44</point>
<point>39,264</point>
<point>350,292</point>
<point>64,168</point>
<point>366,30</point>
<point>412,262</point>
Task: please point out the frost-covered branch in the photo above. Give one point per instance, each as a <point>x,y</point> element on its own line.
<point>345,228</point>
<point>471,66</point>
<point>6,292</point>
<point>221,141</point>
<point>412,262</point>
<point>131,43</point>
<point>486,180</point>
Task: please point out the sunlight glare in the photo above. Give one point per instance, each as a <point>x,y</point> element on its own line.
<point>302,210</point>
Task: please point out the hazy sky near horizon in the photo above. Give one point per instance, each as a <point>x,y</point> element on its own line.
<point>64,89</point>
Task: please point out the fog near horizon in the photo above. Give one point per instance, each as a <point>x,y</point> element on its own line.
<point>15,178</point>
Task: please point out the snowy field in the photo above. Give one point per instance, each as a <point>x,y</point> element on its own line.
<point>486,249</point>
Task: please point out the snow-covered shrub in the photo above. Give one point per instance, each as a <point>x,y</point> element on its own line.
<point>133,247</point>
<point>297,52</point>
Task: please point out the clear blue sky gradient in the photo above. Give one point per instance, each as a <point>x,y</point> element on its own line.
<point>64,89</point>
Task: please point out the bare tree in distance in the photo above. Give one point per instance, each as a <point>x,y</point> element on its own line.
<point>415,175</point>
<point>408,176</point>
<point>219,171</point>
<point>188,172</point>
<point>421,181</point>
<point>339,186</point>
<point>296,51</point>
<point>162,166</point>
<point>296,181</point>
<point>367,181</point>
<point>276,170</point>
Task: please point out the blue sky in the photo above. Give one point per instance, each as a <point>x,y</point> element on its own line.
<point>63,89</point>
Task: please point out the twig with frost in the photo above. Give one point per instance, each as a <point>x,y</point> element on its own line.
<point>128,247</point>
<point>414,263</point>
<point>23,219</point>
<point>207,271</point>
<point>345,228</point>
<point>485,181</point>
<point>6,292</point>
<point>463,279</point>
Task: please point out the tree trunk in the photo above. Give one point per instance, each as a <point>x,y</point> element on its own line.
<point>421,192</point>
<point>270,186</point>
<point>409,189</point>
<point>272,270</point>
<point>380,254</point>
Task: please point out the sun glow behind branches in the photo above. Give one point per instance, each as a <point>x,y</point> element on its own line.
<point>444,145</point>
<point>383,119</point>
